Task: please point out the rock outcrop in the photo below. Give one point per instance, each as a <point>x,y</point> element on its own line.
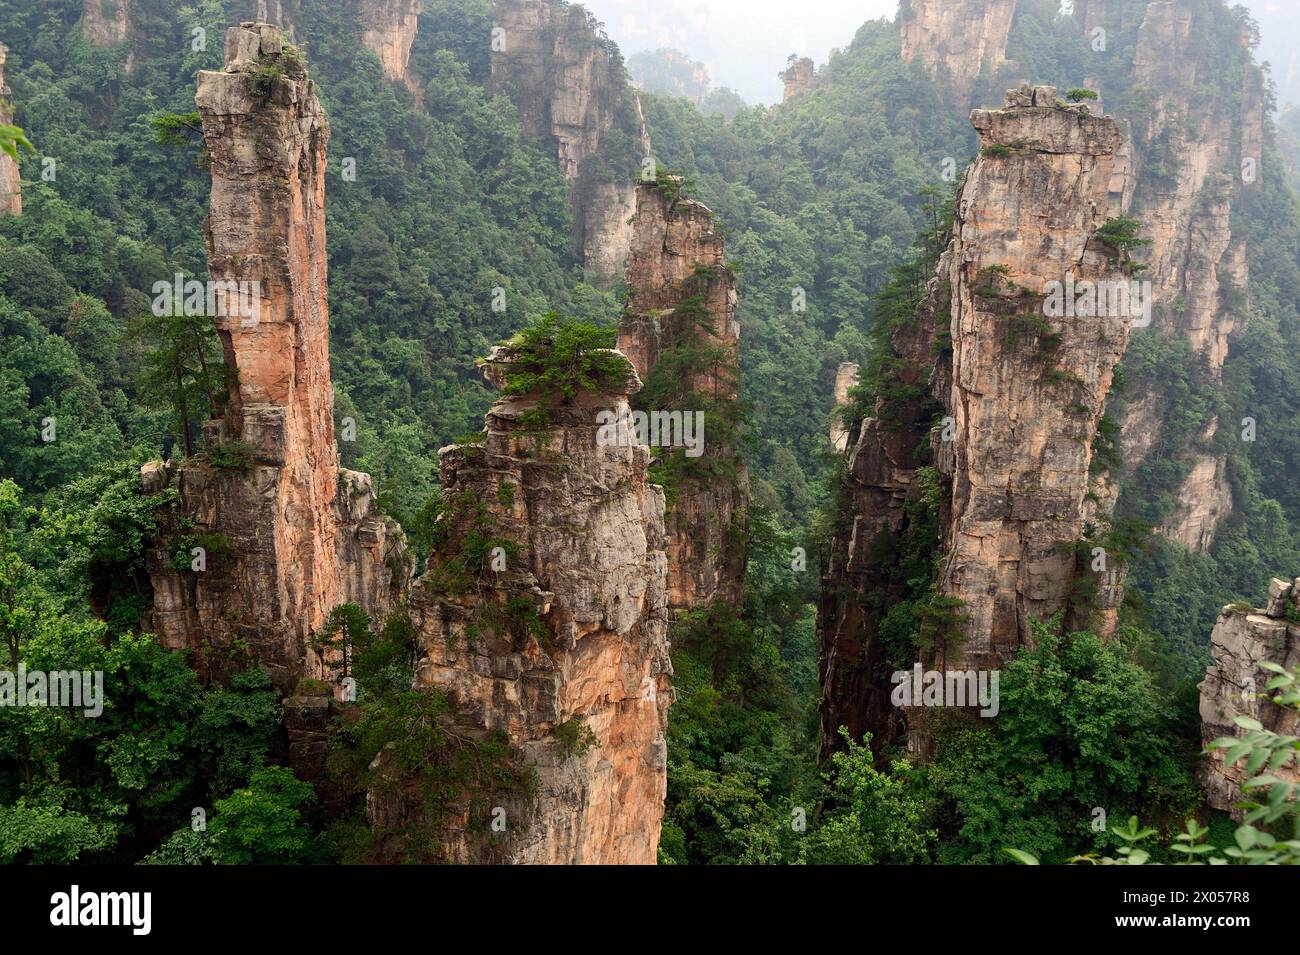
<point>559,638</point>
<point>388,30</point>
<point>1192,156</point>
<point>287,535</point>
<point>1027,390</point>
<point>1109,15</point>
<point>569,85</point>
<point>846,377</point>
<point>1020,388</point>
<point>11,187</point>
<point>956,40</point>
<point>797,77</point>
<point>105,22</point>
<point>670,72</point>
<point>881,506</point>
<point>1236,684</point>
<point>1186,193</point>
<point>682,302</point>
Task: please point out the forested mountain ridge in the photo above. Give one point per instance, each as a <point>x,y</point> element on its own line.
<point>453,223</point>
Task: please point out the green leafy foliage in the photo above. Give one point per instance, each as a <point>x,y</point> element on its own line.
<point>1121,233</point>
<point>1080,726</point>
<point>556,359</point>
<point>825,194</point>
<point>1270,833</point>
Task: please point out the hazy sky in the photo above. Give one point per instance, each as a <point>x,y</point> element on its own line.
<point>746,42</point>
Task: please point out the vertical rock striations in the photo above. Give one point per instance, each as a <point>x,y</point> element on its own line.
<point>1189,164</point>
<point>1108,15</point>
<point>1235,684</point>
<point>1020,388</point>
<point>388,30</point>
<point>289,535</point>
<point>562,645</point>
<point>11,188</point>
<point>1197,145</point>
<point>680,332</point>
<point>568,82</point>
<point>955,40</point>
<point>105,22</point>
<point>1027,389</point>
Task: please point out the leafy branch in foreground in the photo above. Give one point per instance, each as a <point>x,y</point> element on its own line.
<point>11,137</point>
<point>1264,753</point>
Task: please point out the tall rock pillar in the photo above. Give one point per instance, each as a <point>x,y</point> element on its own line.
<point>1027,386</point>
<point>295,535</point>
<point>388,30</point>
<point>1017,380</point>
<point>105,22</point>
<point>570,87</point>
<point>955,40</point>
<point>1236,685</point>
<point>682,303</point>
<point>558,641</point>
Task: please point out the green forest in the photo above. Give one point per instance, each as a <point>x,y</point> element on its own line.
<point>840,198</point>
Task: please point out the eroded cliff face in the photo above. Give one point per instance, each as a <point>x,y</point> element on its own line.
<point>1107,14</point>
<point>956,39</point>
<point>288,535</point>
<point>388,30</point>
<point>881,505</point>
<point>798,78</point>
<point>1027,389</point>
<point>570,87</point>
<point>105,22</point>
<point>1021,392</point>
<point>1193,156</point>
<point>562,645</point>
<point>1186,203</point>
<point>682,302</point>
<point>11,188</point>
<point>1235,685</point>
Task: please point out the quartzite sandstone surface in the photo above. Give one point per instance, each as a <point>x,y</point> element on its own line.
<point>955,40</point>
<point>291,535</point>
<point>569,632</point>
<point>11,188</point>
<point>571,89</point>
<point>680,293</point>
<point>1235,685</point>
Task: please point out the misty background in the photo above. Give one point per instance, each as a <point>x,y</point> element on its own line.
<point>745,43</point>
